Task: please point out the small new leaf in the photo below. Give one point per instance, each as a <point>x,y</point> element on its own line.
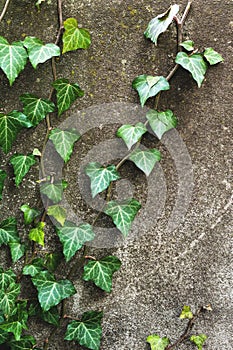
<point>212,56</point>
<point>100,176</point>
<point>131,134</point>
<point>53,191</point>
<point>101,271</point>
<point>36,108</point>
<point>157,343</point>
<point>145,160</point>
<point>160,23</point>
<point>21,165</point>
<point>161,122</point>
<point>63,141</point>
<point>66,94</point>
<point>29,214</point>
<point>149,86</point>
<point>195,64</point>
<point>188,45</point>
<point>198,340</point>
<point>123,213</point>
<point>186,312</point>
<point>58,212</point>
<point>3,176</point>
<point>37,234</point>
<point>17,251</point>
<point>8,231</point>
<point>88,331</point>
<point>73,237</point>
<point>73,37</point>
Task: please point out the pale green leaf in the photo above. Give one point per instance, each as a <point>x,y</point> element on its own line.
<point>123,213</point>
<point>37,234</point>
<point>149,86</point>
<point>88,331</point>
<point>53,191</point>
<point>13,58</point>
<point>8,231</point>
<point>73,237</point>
<point>50,291</point>
<point>212,56</point>
<point>36,108</point>
<point>39,2</point>
<point>8,298</point>
<point>157,343</point>
<point>186,312</point>
<point>145,160</point>
<point>195,64</point>
<point>131,134</point>
<point>21,165</point>
<point>188,45</point>
<point>29,214</point>
<point>32,269</point>
<point>3,176</point>
<point>63,141</point>
<point>66,94</point>
<point>198,340</point>
<point>100,176</point>
<point>36,152</point>
<point>38,52</point>
<point>161,122</point>
<point>75,38</point>
<point>17,251</point>
<point>160,23</point>
<point>58,212</point>
<point>101,271</point>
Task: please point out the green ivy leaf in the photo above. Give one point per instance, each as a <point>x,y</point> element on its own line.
<point>157,343</point>
<point>37,234</point>
<point>58,212</point>
<point>13,58</point>
<point>100,176</point>
<point>123,213</point>
<point>88,331</point>
<point>29,214</point>
<point>10,125</point>
<point>38,52</point>
<point>188,45</point>
<point>17,321</point>
<point>21,165</point>
<point>212,56</point>
<point>26,342</point>
<point>17,251</point>
<point>198,340</point>
<point>149,86</point>
<point>66,94</point>
<point>195,64</point>
<point>36,266</point>
<point>53,191</point>
<point>101,271</point>
<point>131,134</point>
<point>73,37</point>
<point>52,261</point>
<point>186,312</point>
<point>8,298</point>
<point>36,108</point>
<point>63,141</point>
<point>73,237</point>
<point>3,336</point>
<point>51,316</point>
<point>145,160</point>
<point>50,291</point>
<point>3,176</point>
<point>6,278</point>
<point>160,23</point>
<point>8,231</point>
<point>161,122</point>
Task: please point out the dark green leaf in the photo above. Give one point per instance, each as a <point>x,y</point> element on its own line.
<point>37,234</point>
<point>88,331</point>
<point>149,86</point>
<point>73,237</point>
<point>29,213</point>
<point>145,160</point>
<point>186,312</point>
<point>53,191</point>
<point>198,340</point>
<point>161,122</point>
<point>52,261</point>
<point>100,176</point>
<point>3,336</point>
<point>131,134</point>
<point>188,45</point>
<point>8,298</point>
<point>17,321</point>
<point>3,176</point>
<point>123,213</point>
<point>17,251</point>
<point>66,94</point>
<point>73,37</point>
<point>8,231</point>
<point>195,64</point>
<point>160,23</point>
<point>36,108</point>
<point>58,213</point>
<point>63,141</point>
<point>36,266</point>
<point>21,165</point>
<point>6,278</point>
<point>51,316</point>
<point>26,342</point>
<point>157,343</point>
<point>101,271</point>
<point>212,56</point>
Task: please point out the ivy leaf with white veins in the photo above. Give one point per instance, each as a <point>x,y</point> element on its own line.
<point>86,332</point>
<point>38,52</point>
<point>3,176</point>
<point>157,343</point>
<point>212,56</point>
<point>73,237</point>
<point>160,23</point>
<point>53,191</point>
<point>21,165</point>
<point>100,176</point>
<point>6,278</point>
<point>66,94</point>
<point>195,64</point>
<point>161,122</point>
<point>37,234</point>
<point>13,58</point>
<point>58,212</point>
<point>32,269</point>
<point>198,340</point>
<point>149,86</point>
<point>8,298</point>
<point>17,251</point>
<point>26,342</point>
<point>29,214</point>
<point>188,45</point>
<point>75,38</point>
<point>50,291</point>
<point>101,271</point>
<point>8,231</point>
<point>63,141</point>
<point>131,134</point>
<point>123,213</point>
<point>145,160</point>
<point>10,125</point>
<point>36,108</point>
<point>186,312</point>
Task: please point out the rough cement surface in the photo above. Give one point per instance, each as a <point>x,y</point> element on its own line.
<point>161,270</point>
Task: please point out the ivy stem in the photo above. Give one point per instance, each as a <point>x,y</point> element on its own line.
<point>4,10</point>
